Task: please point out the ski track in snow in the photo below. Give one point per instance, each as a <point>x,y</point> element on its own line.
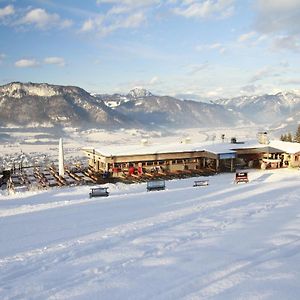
<point>192,244</point>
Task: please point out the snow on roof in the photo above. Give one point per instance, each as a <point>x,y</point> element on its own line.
<point>216,148</point>
<point>287,147</point>
<point>142,149</point>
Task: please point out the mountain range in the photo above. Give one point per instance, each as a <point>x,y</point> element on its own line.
<point>42,104</point>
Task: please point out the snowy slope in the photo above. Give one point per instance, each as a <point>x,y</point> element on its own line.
<point>223,241</point>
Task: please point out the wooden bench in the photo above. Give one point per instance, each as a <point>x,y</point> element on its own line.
<point>241,177</point>
<point>99,192</point>
<point>200,183</point>
<point>156,185</point>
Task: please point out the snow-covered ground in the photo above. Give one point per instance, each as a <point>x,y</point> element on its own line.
<point>222,241</point>
<point>36,142</point>
<point>39,146</point>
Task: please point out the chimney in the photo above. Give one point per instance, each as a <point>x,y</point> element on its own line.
<point>262,138</point>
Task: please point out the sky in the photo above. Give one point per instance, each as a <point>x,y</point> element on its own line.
<point>196,49</point>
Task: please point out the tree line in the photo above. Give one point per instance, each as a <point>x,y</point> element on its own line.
<point>288,137</point>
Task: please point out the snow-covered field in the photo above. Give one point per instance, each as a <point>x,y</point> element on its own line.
<point>222,241</point>
<point>36,143</point>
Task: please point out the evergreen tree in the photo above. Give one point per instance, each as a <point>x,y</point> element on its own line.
<point>289,137</point>
<point>283,137</point>
<point>297,135</point>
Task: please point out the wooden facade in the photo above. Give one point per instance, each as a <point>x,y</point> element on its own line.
<point>165,162</point>
<point>216,158</point>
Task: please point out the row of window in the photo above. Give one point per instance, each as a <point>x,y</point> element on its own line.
<point>158,163</point>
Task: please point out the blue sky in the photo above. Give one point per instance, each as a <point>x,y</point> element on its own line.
<point>207,48</point>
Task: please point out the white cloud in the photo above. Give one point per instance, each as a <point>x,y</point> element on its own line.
<point>217,92</point>
<point>290,81</point>
<point>120,9</point>
<point>41,19</point>
<point>132,21</point>
<point>6,11</point>
<point>271,71</point>
<point>280,20</point>
<point>105,25</point>
<point>127,6</point>
<point>196,68</point>
<point>29,63</point>
<point>53,60</point>
<point>261,74</point>
<point>132,3</point>
<point>246,36</point>
<point>88,25</point>
<point>286,42</point>
<point>2,57</point>
<point>205,9</point>
<point>26,63</point>
<point>154,80</point>
<point>120,14</point>
<point>278,16</point>
<point>248,89</point>
<point>216,46</point>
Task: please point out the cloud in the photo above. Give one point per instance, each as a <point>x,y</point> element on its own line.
<point>270,72</point>
<point>127,6</point>
<point>119,14</point>
<point>88,25</point>
<point>205,9</point>
<point>6,11</point>
<point>286,42</point>
<point>280,20</point>
<point>131,3</point>
<point>106,24</point>
<point>41,19</point>
<point>290,81</point>
<point>26,63</point>
<point>193,69</point>
<point>216,46</point>
<point>217,92</point>
<point>278,16</point>
<point>154,81</point>
<point>2,57</point>
<point>261,74</point>
<point>246,36</point>
<point>249,89</point>
<point>53,60</point>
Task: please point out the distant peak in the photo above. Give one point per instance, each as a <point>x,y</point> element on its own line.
<point>139,92</point>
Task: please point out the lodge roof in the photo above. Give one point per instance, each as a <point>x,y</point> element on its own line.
<point>215,148</point>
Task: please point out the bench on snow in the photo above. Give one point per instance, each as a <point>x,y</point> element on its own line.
<point>201,183</point>
<point>241,177</point>
<point>99,192</point>
<point>156,185</point>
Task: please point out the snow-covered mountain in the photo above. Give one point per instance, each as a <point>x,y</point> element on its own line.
<point>39,103</point>
<point>147,109</point>
<point>24,104</point>
<point>139,93</point>
<point>269,109</point>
